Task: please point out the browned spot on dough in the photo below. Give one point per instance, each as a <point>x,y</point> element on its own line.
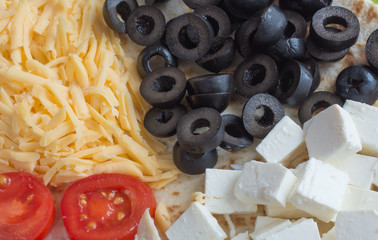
<point>176,194</point>
<point>349,58</point>
<point>358,7</point>
<point>223,167</point>
<point>190,72</point>
<point>173,208</point>
<point>240,221</point>
<point>372,14</point>
<point>232,161</point>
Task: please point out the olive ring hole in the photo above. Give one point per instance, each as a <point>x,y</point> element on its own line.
<point>163,84</point>
<point>287,81</point>
<point>123,11</point>
<point>214,24</point>
<point>164,117</point>
<point>233,130</point>
<point>189,37</point>
<point>254,75</point>
<point>200,126</point>
<point>318,107</point>
<point>289,30</point>
<point>264,116</point>
<point>145,25</point>
<point>335,22</point>
<point>155,62</point>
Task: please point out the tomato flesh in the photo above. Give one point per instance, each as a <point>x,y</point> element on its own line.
<point>105,206</point>
<point>27,207</point>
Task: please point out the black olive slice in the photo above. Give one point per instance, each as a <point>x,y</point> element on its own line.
<point>194,4</point>
<point>150,2</point>
<point>291,48</point>
<point>146,25</point>
<point>116,13</point>
<point>313,67</point>
<point>244,37</point>
<point>257,74</point>
<point>235,20</point>
<point>189,36</point>
<point>261,113</point>
<point>156,49</point>
<point>335,40</point>
<point>371,49</point>
<point>200,130</point>
<point>247,8</point>
<point>294,83</point>
<point>219,57</point>
<point>358,83</point>
<point>164,87</point>
<point>235,136</point>
<point>296,25</point>
<point>324,55</point>
<point>217,101</point>
<point>307,8</point>
<point>219,21</point>
<point>193,164</point>
<point>315,103</point>
<point>163,122</point>
<point>214,83</point>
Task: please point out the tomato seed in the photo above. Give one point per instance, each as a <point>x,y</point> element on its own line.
<point>83,202</point>
<point>118,200</point>
<point>91,225</point>
<point>120,216</point>
<point>3,180</point>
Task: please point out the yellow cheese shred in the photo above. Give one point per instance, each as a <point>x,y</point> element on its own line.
<point>69,100</point>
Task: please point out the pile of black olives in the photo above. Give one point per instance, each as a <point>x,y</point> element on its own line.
<point>279,66</point>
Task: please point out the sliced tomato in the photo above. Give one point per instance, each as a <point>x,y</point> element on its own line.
<point>106,207</point>
<point>26,205</point>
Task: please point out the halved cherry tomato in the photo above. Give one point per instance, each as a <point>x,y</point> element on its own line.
<point>26,205</point>
<point>106,207</point>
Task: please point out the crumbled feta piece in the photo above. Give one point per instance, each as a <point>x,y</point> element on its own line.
<point>330,235</point>
<point>241,236</point>
<point>319,190</point>
<point>147,229</point>
<point>365,118</point>
<point>357,225</point>
<point>360,169</point>
<point>196,223</point>
<point>332,134</point>
<point>289,211</point>
<point>268,226</point>
<point>264,183</point>
<point>219,193</point>
<point>301,229</point>
<point>360,199</point>
<point>285,141</point>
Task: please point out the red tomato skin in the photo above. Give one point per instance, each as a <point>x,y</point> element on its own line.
<point>36,219</point>
<point>70,207</point>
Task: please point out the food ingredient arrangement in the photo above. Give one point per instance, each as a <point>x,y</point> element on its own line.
<point>74,107</point>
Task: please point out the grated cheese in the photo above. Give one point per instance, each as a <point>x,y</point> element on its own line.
<point>69,97</point>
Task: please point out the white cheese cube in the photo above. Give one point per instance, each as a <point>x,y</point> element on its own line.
<point>219,193</point>
<point>264,183</point>
<point>332,134</point>
<point>360,199</point>
<point>289,211</point>
<point>365,118</point>
<point>330,235</point>
<point>319,190</point>
<point>301,229</point>
<point>285,141</point>
<point>357,225</point>
<point>360,169</point>
<point>241,236</point>
<point>268,226</point>
<point>196,223</point>
<point>147,229</point>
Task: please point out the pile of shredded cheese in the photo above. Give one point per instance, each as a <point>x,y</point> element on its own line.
<point>69,96</point>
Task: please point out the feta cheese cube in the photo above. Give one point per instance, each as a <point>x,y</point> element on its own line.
<point>285,141</point>
<point>330,235</point>
<point>196,223</point>
<point>264,183</point>
<point>360,169</point>
<point>332,134</point>
<point>289,211</point>
<point>360,199</point>
<point>319,190</point>
<point>268,226</point>
<point>219,193</point>
<point>241,236</point>
<point>357,225</point>
<point>365,118</point>
<point>263,222</point>
<point>147,229</point>
<point>301,229</point>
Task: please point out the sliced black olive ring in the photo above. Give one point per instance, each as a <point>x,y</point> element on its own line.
<point>217,101</point>
<point>235,136</point>
<point>163,122</point>
<point>194,4</point>
<point>307,8</point>
<point>200,130</point>
<point>313,67</point>
<point>116,13</point>
<point>157,49</point>
<point>290,48</point>
<point>257,74</point>
<point>164,87</point>
<point>193,164</point>
<point>146,25</point>
<point>315,103</point>
<point>244,37</point>
<point>324,55</point>
<point>261,113</point>
<point>247,8</point>
<point>371,49</point>
<point>213,83</point>
<point>296,25</point>
<point>335,40</point>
